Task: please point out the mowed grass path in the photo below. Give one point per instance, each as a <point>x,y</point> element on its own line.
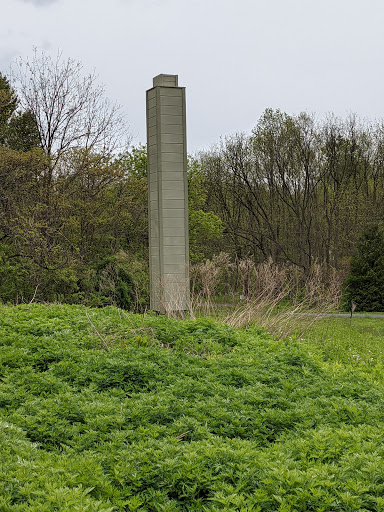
<point>102,410</point>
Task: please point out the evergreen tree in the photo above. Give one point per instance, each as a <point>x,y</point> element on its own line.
<point>365,282</point>
<point>8,105</point>
<point>18,130</point>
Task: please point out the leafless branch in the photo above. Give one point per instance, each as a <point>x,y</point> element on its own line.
<point>70,108</point>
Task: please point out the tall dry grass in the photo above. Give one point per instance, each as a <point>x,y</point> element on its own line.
<point>283,299</point>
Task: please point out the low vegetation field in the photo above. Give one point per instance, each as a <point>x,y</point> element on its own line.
<point>101,410</point>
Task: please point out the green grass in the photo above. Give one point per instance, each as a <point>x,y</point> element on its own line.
<point>358,342</point>
<point>106,411</point>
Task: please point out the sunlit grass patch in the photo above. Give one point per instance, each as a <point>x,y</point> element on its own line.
<point>358,341</point>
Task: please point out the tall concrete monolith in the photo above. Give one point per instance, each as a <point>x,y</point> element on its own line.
<point>168,195</point>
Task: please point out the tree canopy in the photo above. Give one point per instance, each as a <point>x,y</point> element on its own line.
<point>73,195</point>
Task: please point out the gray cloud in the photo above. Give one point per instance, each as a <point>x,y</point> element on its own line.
<point>6,59</point>
<point>236,57</point>
<point>40,3</point>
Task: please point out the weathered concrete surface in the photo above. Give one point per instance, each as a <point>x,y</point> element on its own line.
<point>168,195</point>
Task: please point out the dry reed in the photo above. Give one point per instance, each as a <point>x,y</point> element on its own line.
<point>280,298</point>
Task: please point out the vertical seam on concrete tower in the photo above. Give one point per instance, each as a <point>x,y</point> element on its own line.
<point>149,201</point>
<point>160,286</point>
<point>185,170</point>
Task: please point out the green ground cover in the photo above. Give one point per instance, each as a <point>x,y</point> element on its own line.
<point>106,411</point>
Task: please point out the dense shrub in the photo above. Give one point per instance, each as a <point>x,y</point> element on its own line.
<point>106,411</point>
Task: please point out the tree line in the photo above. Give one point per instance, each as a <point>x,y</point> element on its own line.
<point>73,192</point>
<point>72,208</point>
<point>297,190</point>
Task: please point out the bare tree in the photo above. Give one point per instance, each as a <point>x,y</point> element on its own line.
<point>70,109</point>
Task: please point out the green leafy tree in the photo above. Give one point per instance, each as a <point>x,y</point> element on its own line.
<point>205,227</point>
<point>66,202</point>
<point>205,233</point>
<point>365,282</point>
<point>134,162</point>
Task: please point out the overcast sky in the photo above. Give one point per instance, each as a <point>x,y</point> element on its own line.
<point>235,57</point>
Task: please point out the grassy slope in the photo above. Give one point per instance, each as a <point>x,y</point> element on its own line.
<point>186,416</point>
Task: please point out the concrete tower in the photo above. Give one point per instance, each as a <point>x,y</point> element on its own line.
<point>168,195</point>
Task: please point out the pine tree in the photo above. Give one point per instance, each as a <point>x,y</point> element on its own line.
<point>18,130</point>
<point>365,282</point>
<point>8,105</point>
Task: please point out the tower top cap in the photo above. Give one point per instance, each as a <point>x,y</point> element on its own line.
<point>165,81</point>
